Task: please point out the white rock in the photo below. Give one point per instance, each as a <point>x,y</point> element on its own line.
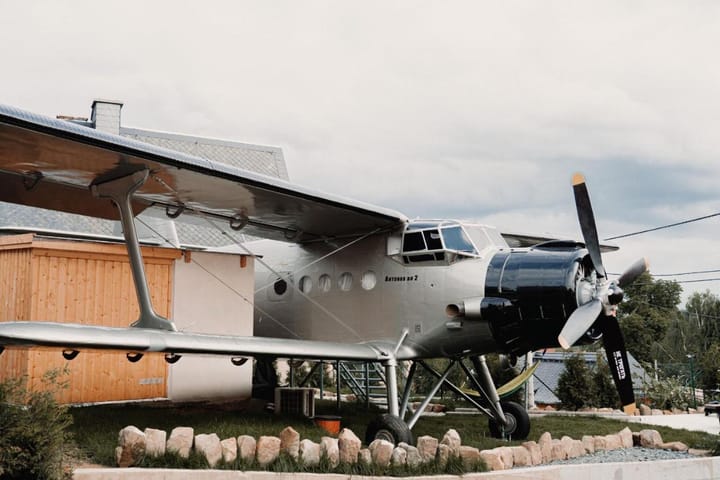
<point>589,443</point>
<point>626,437</point>
<point>181,441</point>
<point>452,440</point>
<point>349,446</point>
<point>364,456</point>
<point>535,452</point>
<point>558,451</point>
<point>427,446</point>
<point>650,438</point>
<point>229,449</point>
<point>246,447</point>
<point>506,455</point>
<point>329,447</point>
<point>131,447</point>
<point>521,457</point>
<point>613,442</point>
<point>309,452</point>
<point>413,454</point>
<point>399,457</point>
<point>492,459</point>
<point>267,450</point>
<point>674,446</point>
<point>470,456</point>
<point>290,442</point>
<point>443,454</point>
<point>209,446</point>
<point>545,443</point>
<point>155,442</point>
<point>381,452</point>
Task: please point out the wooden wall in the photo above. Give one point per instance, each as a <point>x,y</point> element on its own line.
<point>87,283</point>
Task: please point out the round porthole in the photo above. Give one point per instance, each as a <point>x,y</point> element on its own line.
<point>280,287</point>
<point>306,284</point>
<point>345,281</point>
<point>324,283</point>
<point>368,280</point>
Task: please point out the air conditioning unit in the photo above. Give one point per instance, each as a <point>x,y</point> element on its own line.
<point>295,401</point>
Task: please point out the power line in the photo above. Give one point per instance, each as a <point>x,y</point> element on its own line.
<point>663,227</point>
<point>683,273</point>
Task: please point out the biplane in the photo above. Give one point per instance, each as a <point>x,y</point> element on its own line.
<point>340,279</point>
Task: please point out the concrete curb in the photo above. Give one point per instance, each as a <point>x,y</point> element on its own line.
<point>690,469</point>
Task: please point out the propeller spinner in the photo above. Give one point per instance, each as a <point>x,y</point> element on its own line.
<point>601,309</point>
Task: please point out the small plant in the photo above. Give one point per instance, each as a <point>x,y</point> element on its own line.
<point>32,429</point>
<point>668,393</point>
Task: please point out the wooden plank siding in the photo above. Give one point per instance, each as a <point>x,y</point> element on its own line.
<point>87,283</point>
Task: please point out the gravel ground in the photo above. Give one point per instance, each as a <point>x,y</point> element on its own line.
<point>697,422</point>
<point>636,454</point>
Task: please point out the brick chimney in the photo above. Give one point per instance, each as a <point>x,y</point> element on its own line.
<point>105,116</point>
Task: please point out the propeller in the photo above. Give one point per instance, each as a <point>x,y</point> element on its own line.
<point>600,311</point>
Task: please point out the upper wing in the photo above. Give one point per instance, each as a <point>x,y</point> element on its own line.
<point>82,337</point>
<point>50,163</point>
<point>528,240</point>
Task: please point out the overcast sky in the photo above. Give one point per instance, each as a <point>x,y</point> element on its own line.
<point>471,110</point>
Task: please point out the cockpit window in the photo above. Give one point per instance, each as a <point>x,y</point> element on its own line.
<point>413,242</point>
<point>441,242</point>
<point>456,239</point>
<point>432,240</point>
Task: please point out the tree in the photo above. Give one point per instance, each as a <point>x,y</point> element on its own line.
<point>703,311</point>
<point>575,386</point>
<point>605,392</point>
<point>709,363</point>
<point>649,308</point>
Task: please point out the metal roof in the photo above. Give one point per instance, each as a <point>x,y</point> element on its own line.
<point>552,364</point>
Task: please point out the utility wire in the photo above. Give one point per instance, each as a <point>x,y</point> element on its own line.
<point>663,227</point>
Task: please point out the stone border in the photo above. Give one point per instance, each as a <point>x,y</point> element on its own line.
<point>135,444</point>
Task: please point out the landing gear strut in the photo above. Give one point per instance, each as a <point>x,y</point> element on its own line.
<point>506,419</point>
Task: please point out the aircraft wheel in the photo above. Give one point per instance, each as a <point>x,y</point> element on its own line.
<point>518,419</point>
<point>388,427</point>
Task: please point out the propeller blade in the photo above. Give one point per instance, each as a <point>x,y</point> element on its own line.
<point>579,322</point>
<point>618,362</point>
<point>636,269</point>
<point>587,222</point>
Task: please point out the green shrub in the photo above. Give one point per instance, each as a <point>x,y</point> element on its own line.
<point>32,430</point>
<point>667,393</point>
<point>575,385</point>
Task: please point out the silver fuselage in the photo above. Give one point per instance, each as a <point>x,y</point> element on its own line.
<point>362,293</point>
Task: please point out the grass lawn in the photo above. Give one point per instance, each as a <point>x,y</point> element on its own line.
<point>95,429</point>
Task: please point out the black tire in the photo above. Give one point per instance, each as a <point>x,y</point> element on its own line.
<point>518,419</point>
<point>388,427</point>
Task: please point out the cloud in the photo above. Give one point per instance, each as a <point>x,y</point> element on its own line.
<point>460,109</point>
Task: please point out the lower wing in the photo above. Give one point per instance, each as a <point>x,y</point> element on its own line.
<point>131,339</point>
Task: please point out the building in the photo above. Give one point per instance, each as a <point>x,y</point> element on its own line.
<point>552,365</point>
<point>69,268</point>
<point>106,116</point>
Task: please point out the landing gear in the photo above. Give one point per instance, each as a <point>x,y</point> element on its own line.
<point>388,427</point>
<point>518,423</point>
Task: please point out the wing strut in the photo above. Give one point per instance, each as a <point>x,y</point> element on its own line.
<point>120,191</point>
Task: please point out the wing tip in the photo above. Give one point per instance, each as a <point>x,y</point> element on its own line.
<point>563,343</point>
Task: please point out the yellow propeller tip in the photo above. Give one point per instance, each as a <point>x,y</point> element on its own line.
<point>563,343</point>
<point>578,178</point>
<point>629,409</point>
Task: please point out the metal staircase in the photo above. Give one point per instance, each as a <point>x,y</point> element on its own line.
<point>366,380</point>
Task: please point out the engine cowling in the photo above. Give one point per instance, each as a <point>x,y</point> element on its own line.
<point>540,287</point>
